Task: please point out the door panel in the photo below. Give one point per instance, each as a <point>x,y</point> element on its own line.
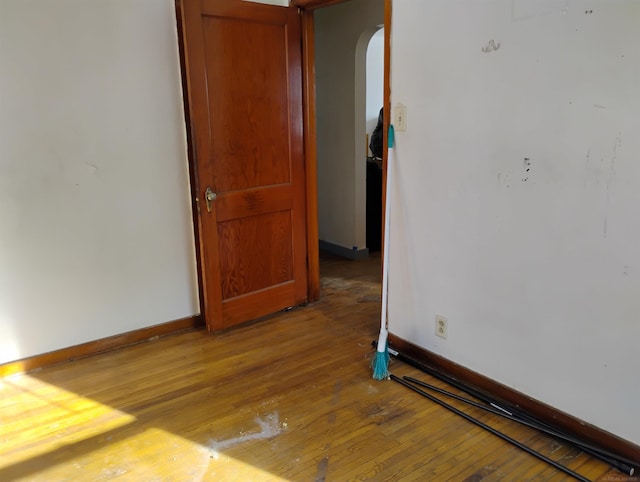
<point>255,103</point>
<point>252,202</point>
<point>243,63</point>
<point>252,271</point>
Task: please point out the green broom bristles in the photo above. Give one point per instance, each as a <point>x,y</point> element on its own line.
<point>380,365</point>
<point>380,362</point>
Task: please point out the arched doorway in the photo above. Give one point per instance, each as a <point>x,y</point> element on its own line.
<point>343,34</point>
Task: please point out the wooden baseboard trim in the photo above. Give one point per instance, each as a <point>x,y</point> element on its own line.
<point>546,413</point>
<point>99,346</point>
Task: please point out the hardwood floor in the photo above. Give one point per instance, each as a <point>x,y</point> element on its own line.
<point>287,398</point>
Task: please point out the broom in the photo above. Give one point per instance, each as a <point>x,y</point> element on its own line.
<point>380,363</point>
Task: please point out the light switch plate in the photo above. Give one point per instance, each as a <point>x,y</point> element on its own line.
<point>400,118</point>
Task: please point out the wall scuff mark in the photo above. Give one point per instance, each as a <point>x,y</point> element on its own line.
<point>527,169</point>
<point>491,46</point>
<point>612,175</point>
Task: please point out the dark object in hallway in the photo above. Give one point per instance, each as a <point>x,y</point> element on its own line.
<point>374,204</point>
<point>376,137</point>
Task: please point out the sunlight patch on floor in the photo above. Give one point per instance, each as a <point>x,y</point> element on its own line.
<point>154,455</point>
<point>51,434</point>
<point>51,413</point>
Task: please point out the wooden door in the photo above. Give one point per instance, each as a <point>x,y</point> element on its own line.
<point>244,83</point>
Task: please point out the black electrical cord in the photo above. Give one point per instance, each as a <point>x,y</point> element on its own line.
<point>491,429</point>
<point>601,454</point>
<point>505,407</point>
<point>500,405</point>
<point>454,382</point>
<point>620,463</point>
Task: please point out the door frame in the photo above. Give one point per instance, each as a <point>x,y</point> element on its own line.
<point>306,9</point>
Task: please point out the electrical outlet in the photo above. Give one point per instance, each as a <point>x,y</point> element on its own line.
<point>441,326</point>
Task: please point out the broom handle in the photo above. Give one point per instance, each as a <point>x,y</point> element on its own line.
<point>385,244</point>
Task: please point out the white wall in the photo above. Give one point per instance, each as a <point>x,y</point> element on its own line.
<point>515,212</point>
<point>95,222</point>
<point>375,80</point>
<point>342,33</point>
